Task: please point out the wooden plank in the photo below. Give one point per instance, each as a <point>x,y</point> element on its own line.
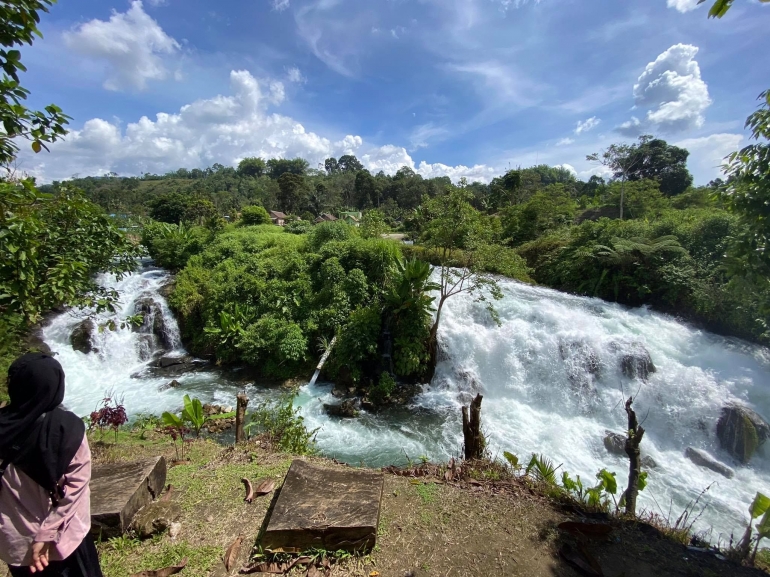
<point>119,490</point>
<point>326,508</point>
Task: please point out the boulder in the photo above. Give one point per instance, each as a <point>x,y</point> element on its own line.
<point>153,321</point>
<point>703,459</point>
<point>345,409</point>
<point>740,431</point>
<point>80,339</point>
<point>615,443</point>
<point>171,385</point>
<point>649,463</point>
<point>635,360</point>
<point>165,362</point>
<point>155,518</point>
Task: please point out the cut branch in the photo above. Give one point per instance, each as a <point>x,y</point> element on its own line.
<point>633,440</point>
<point>474,439</point>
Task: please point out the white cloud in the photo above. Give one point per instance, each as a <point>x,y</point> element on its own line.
<point>506,4</point>
<point>587,125</point>
<point>672,91</point>
<point>222,129</point>
<point>280,5</point>
<point>707,154</point>
<point>158,2</point>
<point>566,166</point>
<point>565,142</point>
<point>294,75</point>
<point>423,134</point>
<point>132,45</point>
<point>683,5</point>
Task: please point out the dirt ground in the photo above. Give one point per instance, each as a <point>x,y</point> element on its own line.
<point>426,528</point>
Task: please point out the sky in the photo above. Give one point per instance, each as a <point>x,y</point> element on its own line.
<point>458,88</point>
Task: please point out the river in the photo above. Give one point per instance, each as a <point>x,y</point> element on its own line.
<point>536,397</point>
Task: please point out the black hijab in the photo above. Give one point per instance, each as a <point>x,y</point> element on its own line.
<point>36,434</point>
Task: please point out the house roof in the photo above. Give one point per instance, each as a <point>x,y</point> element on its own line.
<point>326,217</point>
<point>276,214</point>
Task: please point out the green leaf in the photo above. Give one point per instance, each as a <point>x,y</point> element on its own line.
<point>36,146</point>
<point>759,506</point>
<point>511,458</point>
<point>607,481</point>
<point>764,525</point>
<point>171,420</point>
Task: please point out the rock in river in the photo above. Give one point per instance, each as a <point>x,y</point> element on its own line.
<point>740,431</point>
<point>703,459</point>
<point>80,339</point>
<point>344,409</point>
<point>615,443</point>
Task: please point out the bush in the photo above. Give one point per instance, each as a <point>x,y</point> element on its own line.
<point>253,215</point>
<point>383,389</point>
<point>280,424</point>
<point>325,232</point>
<point>298,227</point>
<point>172,245</point>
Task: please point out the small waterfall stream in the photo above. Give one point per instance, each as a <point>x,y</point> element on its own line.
<point>551,376</point>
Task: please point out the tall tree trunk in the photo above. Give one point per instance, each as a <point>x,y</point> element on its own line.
<point>474,439</point>
<point>240,416</point>
<point>635,434</point>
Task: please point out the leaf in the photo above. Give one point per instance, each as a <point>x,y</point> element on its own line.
<point>167,495</point>
<point>511,458</point>
<point>642,483</point>
<point>165,572</point>
<point>36,146</point>
<point>264,488</point>
<point>760,504</point>
<point>608,481</point>
<point>249,490</point>
<point>764,525</point>
<point>232,552</point>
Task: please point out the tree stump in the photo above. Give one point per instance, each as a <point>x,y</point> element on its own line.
<point>634,439</point>
<point>472,436</point>
<point>240,417</point>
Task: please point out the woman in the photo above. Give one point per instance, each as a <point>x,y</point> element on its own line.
<point>45,508</point>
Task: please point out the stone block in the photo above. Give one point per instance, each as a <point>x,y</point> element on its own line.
<point>119,490</point>
<point>325,508</point>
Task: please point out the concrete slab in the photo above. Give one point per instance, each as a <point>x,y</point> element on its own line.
<point>119,490</point>
<point>325,508</point>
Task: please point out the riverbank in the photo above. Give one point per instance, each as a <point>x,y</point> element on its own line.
<point>484,523</point>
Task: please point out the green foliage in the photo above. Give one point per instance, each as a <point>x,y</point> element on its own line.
<point>280,424</point>
<point>298,227</point>
<point>551,208</point>
<point>542,468</point>
<point>373,224</point>
<point>254,215</point>
<point>18,27</point>
<point>192,413</point>
<point>50,249</point>
<point>512,459</point>
<point>598,496</point>
<point>325,232</point>
<point>382,391</point>
<point>172,245</point>
<point>252,166</point>
<point>720,7</point>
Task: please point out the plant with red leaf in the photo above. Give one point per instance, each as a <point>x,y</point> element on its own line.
<point>110,414</point>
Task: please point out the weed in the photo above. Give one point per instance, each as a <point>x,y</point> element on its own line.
<point>426,492</point>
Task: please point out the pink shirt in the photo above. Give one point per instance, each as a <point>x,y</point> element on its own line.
<point>26,514</point>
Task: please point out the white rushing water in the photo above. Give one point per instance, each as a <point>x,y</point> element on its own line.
<point>534,399</point>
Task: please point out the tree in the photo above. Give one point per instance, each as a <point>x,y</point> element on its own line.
<point>366,190</point>
<point>623,161</point>
<point>373,224</point>
<point>200,209</point>
<point>655,159</point>
<point>279,166</point>
<point>291,196</point>
<point>252,215</point>
<point>331,166</point>
<point>456,234</point>
<point>349,163</point>
<point>252,167</point>
<point>748,194</point>
<point>18,26</point>
<point>170,208</point>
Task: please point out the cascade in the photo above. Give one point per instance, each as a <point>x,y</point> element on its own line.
<point>553,374</point>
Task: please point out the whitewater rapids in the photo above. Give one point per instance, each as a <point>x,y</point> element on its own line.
<point>534,399</point>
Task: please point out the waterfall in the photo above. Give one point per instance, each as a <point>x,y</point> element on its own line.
<point>551,375</point>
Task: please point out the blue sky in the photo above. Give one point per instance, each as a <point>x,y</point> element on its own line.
<point>447,87</point>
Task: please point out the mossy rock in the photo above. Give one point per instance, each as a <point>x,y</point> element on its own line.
<point>737,433</point>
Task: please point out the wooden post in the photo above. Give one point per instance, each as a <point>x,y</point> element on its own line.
<point>474,439</point>
<point>635,434</point>
<point>240,417</point>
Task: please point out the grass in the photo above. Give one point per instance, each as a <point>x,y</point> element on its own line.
<point>125,559</point>
<point>426,492</point>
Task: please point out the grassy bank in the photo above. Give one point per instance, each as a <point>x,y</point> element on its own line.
<point>486,522</point>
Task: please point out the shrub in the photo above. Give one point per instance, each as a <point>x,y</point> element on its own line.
<point>329,231</point>
<point>382,391</point>
<point>299,227</point>
<point>254,215</point>
<point>280,424</point>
